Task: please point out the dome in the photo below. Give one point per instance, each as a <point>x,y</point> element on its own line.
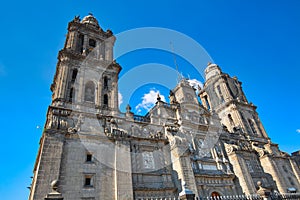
<point>90,19</point>
<point>212,70</point>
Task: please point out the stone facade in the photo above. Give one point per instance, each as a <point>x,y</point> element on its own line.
<point>217,146</point>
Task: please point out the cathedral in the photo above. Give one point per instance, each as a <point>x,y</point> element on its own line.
<point>205,144</point>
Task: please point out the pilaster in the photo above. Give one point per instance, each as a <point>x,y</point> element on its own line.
<point>270,167</point>
<point>241,171</point>
<point>123,178</point>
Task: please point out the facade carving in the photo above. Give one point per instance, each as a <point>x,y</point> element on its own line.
<point>216,146</point>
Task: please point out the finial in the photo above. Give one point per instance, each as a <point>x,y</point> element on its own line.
<point>259,184</point>
<point>128,108</point>
<point>76,18</point>
<point>158,97</point>
<point>91,14</point>
<point>263,192</point>
<point>209,63</point>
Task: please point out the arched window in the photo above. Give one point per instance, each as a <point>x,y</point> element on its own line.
<point>207,102</point>
<point>89,92</point>
<point>230,120</point>
<point>92,43</point>
<point>105,100</point>
<point>105,82</point>
<point>74,75</point>
<point>251,123</point>
<point>80,43</point>
<point>71,95</point>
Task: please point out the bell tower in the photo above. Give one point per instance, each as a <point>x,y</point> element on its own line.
<point>85,85</point>
<point>224,95</point>
<point>86,73</point>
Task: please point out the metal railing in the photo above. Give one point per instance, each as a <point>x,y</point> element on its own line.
<point>287,196</point>
<point>139,118</point>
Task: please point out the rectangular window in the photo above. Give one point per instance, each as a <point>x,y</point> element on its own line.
<point>88,181</point>
<point>89,157</point>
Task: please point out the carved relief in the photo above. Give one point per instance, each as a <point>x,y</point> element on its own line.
<point>148,160</point>
<point>230,148</point>
<point>59,119</point>
<point>260,150</point>
<point>76,128</point>
<point>157,135</point>
<point>111,128</point>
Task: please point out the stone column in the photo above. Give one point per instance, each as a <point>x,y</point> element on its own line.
<point>99,94</point>
<point>62,81</point>
<point>114,102</point>
<point>85,44</point>
<point>71,44</point>
<point>239,119</point>
<point>227,96</point>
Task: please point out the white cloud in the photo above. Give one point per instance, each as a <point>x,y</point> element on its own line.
<point>120,97</point>
<point>148,100</point>
<point>298,130</point>
<point>196,84</point>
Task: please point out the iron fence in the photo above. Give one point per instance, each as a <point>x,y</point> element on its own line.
<point>288,196</point>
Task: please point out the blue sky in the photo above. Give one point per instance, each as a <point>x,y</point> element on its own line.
<point>257,41</point>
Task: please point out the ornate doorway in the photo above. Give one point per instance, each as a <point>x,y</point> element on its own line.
<point>215,194</point>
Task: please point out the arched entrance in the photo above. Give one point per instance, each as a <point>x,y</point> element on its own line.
<point>215,194</point>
